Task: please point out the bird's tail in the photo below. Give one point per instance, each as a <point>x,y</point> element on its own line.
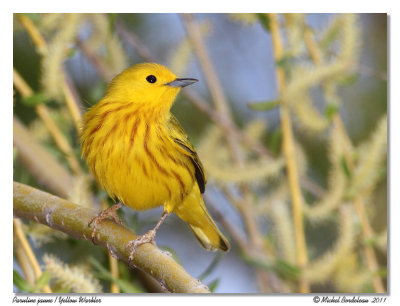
<point>194,212</point>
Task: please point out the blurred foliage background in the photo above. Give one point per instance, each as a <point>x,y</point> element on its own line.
<point>289,119</point>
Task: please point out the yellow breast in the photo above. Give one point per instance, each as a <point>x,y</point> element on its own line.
<point>134,159</point>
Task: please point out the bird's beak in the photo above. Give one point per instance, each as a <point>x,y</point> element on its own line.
<point>182,82</point>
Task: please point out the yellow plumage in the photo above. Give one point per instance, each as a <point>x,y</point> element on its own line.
<point>140,154</point>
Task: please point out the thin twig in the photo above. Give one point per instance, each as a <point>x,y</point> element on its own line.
<point>290,157</point>
<point>368,71</point>
<point>237,235</point>
<point>135,42</point>
<point>19,233</point>
<point>73,220</point>
<point>73,103</point>
<point>102,69</point>
<point>114,272</point>
<point>24,262</point>
<point>211,78</point>
<point>34,33</point>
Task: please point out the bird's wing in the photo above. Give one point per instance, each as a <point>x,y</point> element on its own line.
<point>179,136</point>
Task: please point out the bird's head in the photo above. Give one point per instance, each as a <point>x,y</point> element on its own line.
<point>146,85</point>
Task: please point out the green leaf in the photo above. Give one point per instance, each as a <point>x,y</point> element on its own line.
<point>331,110</point>
<point>284,62</point>
<point>382,272</point>
<point>331,36</point>
<point>275,141</point>
<point>42,281</point>
<point>286,269</point>
<point>21,283</point>
<point>368,288</point>
<point>280,266</point>
<point>71,52</point>
<point>35,99</point>
<point>263,264</point>
<point>125,285</point>
<point>370,241</point>
<point>345,167</point>
<point>264,106</point>
<point>382,173</point>
<point>97,91</point>
<point>15,153</point>
<point>349,80</point>
<point>104,274</point>
<point>213,285</point>
<point>264,20</point>
<point>61,290</point>
<point>112,18</point>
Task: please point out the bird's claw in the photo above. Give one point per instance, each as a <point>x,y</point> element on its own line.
<point>110,212</point>
<point>95,220</point>
<point>146,238</point>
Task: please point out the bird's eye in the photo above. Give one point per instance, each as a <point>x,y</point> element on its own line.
<point>151,78</point>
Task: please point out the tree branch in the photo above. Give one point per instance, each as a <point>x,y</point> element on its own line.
<point>73,220</point>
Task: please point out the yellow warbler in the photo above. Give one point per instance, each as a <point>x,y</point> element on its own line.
<point>140,154</point>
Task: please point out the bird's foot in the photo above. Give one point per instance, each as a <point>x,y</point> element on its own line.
<point>110,212</point>
<point>146,238</point>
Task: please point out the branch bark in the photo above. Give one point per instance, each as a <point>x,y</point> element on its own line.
<point>73,220</point>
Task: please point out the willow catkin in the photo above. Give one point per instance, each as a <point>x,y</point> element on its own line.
<point>307,115</point>
<point>76,279</point>
<point>372,155</point>
<point>215,157</point>
<point>244,18</point>
<point>295,26</point>
<point>58,47</point>
<point>106,44</point>
<point>337,181</point>
<point>320,269</point>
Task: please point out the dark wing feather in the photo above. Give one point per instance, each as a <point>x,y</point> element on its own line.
<point>180,137</point>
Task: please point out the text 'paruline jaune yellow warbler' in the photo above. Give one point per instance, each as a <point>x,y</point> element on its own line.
<point>140,154</point>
